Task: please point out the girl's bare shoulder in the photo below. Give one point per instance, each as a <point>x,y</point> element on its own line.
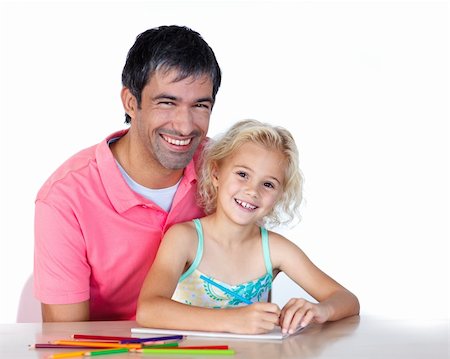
<point>181,233</point>
<point>187,226</point>
<point>278,239</point>
<point>282,248</point>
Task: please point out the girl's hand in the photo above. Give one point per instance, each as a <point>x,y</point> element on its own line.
<point>256,318</point>
<point>299,312</point>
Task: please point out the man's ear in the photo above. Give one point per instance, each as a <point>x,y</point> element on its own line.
<point>129,102</point>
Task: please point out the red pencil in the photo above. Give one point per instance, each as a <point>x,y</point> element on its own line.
<point>204,347</point>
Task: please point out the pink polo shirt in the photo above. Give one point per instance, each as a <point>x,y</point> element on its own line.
<point>95,238</point>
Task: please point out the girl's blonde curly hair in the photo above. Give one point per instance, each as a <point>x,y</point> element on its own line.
<point>268,136</point>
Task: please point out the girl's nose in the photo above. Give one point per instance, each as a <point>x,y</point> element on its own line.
<point>252,190</point>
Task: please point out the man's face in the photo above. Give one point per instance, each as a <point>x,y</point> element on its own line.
<point>173,118</point>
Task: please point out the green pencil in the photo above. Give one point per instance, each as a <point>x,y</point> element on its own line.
<point>187,351</point>
<point>165,345</point>
<point>106,352</point>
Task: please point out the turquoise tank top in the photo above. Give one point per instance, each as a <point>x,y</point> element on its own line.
<point>193,290</point>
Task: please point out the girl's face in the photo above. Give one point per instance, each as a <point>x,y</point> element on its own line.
<point>249,182</point>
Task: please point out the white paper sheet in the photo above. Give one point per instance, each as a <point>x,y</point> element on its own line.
<point>273,335</point>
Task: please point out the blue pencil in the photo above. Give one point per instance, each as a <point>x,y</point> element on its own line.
<point>225,289</point>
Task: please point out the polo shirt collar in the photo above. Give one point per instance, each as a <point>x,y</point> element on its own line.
<point>122,197</point>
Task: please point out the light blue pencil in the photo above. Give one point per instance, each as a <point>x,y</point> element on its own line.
<point>225,289</point>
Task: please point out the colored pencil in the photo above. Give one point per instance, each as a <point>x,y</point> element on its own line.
<point>107,352</point>
<point>168,346</point>
<point>55,346</point>
<point>226,290</point>
<point>99,337</point>
<point>98,344</point>
<point>66,355</point>
<point>152,339</point>
<point>221,347</point>
<point>187,351</point>
<point>163,345</point>
<point>160,344</point>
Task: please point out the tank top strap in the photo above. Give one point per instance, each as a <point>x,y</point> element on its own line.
<point>199,254</point>
<point>266,250</point>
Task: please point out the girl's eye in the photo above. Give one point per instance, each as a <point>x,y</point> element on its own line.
<point>241,174</point>
<point>269,185</point>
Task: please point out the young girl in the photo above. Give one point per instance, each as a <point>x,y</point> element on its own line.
<point>249,179</point>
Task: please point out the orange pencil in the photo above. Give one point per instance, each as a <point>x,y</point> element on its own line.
<point>97,344</point>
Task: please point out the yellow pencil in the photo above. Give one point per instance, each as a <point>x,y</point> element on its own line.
<point>66,355</point>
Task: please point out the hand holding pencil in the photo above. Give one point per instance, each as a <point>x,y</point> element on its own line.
<point>256,318</point>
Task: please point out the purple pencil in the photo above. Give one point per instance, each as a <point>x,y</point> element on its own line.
<point>56,346</point>
<point>153,339</point>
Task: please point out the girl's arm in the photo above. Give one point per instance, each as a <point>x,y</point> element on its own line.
<point>156,308</point>
<point>335,301</point>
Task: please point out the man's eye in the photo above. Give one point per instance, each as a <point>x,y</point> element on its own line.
<point>241,174</point>
<point>202,105</point>
<point>165,103</point>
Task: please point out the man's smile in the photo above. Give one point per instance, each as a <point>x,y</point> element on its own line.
<point>176,142</point>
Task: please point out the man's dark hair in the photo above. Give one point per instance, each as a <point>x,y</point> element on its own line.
<point>165,48</point>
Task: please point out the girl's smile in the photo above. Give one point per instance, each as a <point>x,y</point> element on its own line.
<point>246,205</point>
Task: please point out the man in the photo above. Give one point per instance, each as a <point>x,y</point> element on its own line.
<point>101,216</point>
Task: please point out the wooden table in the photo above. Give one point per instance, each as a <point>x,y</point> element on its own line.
<point>355,337</point>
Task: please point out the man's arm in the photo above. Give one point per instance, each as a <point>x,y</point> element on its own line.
<point>77,312</point>
<point>61,272</point>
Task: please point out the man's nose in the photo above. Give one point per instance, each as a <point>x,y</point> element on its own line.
<point>183,121</point>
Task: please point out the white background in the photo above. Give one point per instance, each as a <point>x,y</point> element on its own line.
<point>364,87</point>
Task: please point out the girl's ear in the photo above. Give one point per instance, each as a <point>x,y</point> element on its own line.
<point>215,174</point>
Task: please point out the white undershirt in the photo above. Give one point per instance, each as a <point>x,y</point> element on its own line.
<point>162,197</point>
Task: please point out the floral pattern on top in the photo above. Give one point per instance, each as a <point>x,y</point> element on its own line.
<point>195,291</point>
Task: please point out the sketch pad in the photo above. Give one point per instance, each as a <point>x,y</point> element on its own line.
<point>275,334</point>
